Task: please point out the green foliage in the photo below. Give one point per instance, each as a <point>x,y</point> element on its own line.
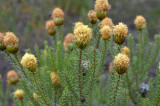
<point>79,71</point>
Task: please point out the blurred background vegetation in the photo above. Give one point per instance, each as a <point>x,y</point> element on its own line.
<point>26,18</point>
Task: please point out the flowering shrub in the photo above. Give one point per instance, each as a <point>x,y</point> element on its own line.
<point>69,71</point>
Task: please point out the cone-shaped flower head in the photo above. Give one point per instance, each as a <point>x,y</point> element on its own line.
<point>121,63</point>
<point>82,35</point>
<point>55,79</point>
<point>35,96</point>
<point>101,7</point>
<point>68,40</point>
<point>2,46</point>
<point>125,50</point>
<point>12,77</point>
<point>29,61</point>
<point>11,42</point>
<point>92,16</point>
<point>50,26</point>
<point>140,22</point>
<point>106,32</point>
<point>120,32</point>
<point>19,94</point>
<point>58,16</point>
<point>107,22</point>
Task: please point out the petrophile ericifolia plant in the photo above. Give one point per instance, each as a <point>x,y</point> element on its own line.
<point>67,72</point>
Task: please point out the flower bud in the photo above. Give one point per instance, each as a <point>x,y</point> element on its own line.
<point>101,7</point>
<point>121,62</point>
<point>11,42</point>
<point>12,77</point>
<point>120,32</point>
<point>19,94</point>
<point>105,32</point>
<point>140,22</point>
<point>50,26</point>
<point>58,16</point>
<point>67,40</point>
<point>29,61</point>
<point>2,46</point>
<point>82,36</point>
<point>35,96</point>
<point>107,22</point>
<point>125,50</point>
<point>55,79</point>
<point>92,16</point>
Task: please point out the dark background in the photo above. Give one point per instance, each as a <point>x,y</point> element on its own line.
<point>26,18</point>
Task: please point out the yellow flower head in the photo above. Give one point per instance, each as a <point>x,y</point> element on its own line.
<point>82,36</point>
<point>120,31</point>
<point>57,13</point>
<point>29,61</point>
<point>55,79</point>
<point>50,26</point>
<point>78,24</point>
<point>106,32</point>
<point>107,22</point>
<point>19,94</point>
<point>58,16</point>
<point>102,5</point>
<point>125,50</point>
<point>68,39</point>
<point>10,39</point>
<point>35,96</point>
<point>12,77</point>
<point>140,21</point>
<point>121,62</point>
<point>92,16</point>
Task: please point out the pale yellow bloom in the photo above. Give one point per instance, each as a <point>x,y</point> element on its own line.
<point>19,94</point>
<point>29,61</point>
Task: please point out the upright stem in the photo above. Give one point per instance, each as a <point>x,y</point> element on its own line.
<point>93,73</point>
<point>114,97</point>
<point>129,87</point>
<point>55,96</point>
<point>79,75</point>
<point>22,102</point>
<point>103,58</point>
<point>158,101</point>
<point>59,32</point>
<point>55,41</point>
<point>39,89</point>
<point>97,45</point>
<point>20,66</point>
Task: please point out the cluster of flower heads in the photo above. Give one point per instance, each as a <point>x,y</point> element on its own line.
<point>57,20</point>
